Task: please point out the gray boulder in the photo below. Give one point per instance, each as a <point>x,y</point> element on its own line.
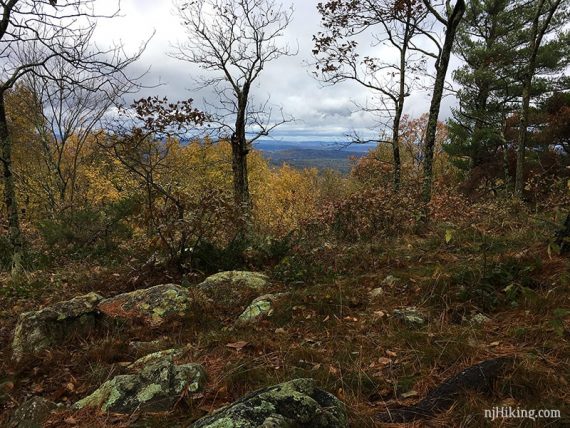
<point>156,387</point>
<point>260,308</point>
<point>152,306</point>
<point>32,413</point>
<point>376,293</point>
<point>479,319</point>
<point>293,404</point>
<point>410,316</point>
<point>233,288</point>
<point>37,330</point>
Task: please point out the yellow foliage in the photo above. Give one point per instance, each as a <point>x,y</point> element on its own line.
<point>285,198</point>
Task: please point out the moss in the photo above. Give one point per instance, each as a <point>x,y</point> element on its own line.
<point>253,280</point>
<point>255,310</point>
<point>147,393</point>
<point>107,394</point>
<point>297,401</point>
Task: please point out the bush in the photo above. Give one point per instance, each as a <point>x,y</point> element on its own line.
<point>89,231</point>
<point>369,214</point>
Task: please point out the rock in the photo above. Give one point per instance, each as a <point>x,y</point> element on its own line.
<point>233,288</point>
<point>152,306</point>
<point>154,358</point>
<point>409,315</point>
<point>32,413</point>
<point>478,378</point>
<point>297,403</point>
<point>143,348</point>
<point>390,281</point>
<point>375,293</point>
<point>155,388</point>
<point>37,330</point>
<point>258,309</point>
<point>479,319</point>
<point>562,237</point>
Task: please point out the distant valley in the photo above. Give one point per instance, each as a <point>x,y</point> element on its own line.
<point>312,154</point>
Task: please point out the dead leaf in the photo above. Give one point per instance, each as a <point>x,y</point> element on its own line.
<point>410,394</point>
<point>238,346</point>
<point>70,421</point>
<point>493,344</point>
<point>391,354</point>
<point>384,361</point>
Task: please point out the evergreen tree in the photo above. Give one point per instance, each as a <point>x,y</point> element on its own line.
<point>494,42</point>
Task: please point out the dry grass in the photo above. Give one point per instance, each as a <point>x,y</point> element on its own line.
<point>330,329</point>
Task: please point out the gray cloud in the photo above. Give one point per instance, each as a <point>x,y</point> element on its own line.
<point>326,112</point>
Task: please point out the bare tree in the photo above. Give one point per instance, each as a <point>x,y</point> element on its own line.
<point>70,114</point>
<point>233,40</point>
<point>337,59</point>
<point>33,33</point>
<point>450,20</point>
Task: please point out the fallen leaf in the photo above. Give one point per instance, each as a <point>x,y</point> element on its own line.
<point>391,354</point>
<point>70,421</point>
<point>409,394</point>
<point>384,361</point>
<point>492,344</point>
<point>238,346</point>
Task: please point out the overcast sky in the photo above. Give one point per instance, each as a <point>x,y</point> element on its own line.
<point>321,113</point>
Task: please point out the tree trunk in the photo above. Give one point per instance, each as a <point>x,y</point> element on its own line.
<point>441,67</point>
<point>240,151</point>
<point>14,231</point>
<point>537,33</point>
<point>396,146</point>
<point>523,124</point>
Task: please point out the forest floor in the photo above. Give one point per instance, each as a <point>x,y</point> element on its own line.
<point>329,328</point>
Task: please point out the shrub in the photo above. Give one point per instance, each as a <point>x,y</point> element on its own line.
<point>369,214</point>
<point>89,231</point>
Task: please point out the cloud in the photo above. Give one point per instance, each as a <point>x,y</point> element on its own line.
<point>321,111</point>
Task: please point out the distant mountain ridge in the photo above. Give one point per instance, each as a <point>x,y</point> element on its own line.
<point>312,154</point>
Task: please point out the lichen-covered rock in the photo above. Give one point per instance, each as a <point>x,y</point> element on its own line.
<point>479,319</point>
<point>32,413</point>
<point>155,388</point>
<point>155,357</point>
<point>37,330</point>
<point>152,306</point>
<point>297,403</point>
<point>233,288</point>
<point>376,293</point>
<point>410,316</point>
<point>258,309</point>
<point>390,281</point>
<point>147,347</point>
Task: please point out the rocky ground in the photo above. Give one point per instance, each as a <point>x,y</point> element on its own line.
<point>426,332</point>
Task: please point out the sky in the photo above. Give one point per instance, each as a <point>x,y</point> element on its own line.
<point>322,113</point>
